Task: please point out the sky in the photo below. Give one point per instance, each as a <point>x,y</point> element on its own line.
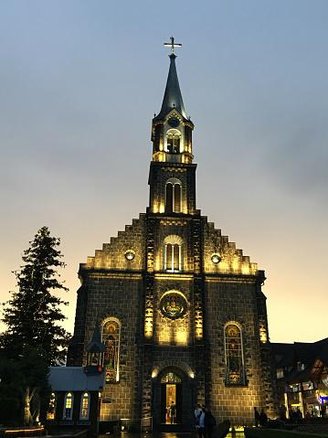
<point>79,84</point>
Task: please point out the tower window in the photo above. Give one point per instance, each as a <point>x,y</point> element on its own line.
<point>173,142</point>
<point>173,197</point>
<point>235,373</point>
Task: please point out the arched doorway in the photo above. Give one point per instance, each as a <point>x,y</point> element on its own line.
<point>173,399</point>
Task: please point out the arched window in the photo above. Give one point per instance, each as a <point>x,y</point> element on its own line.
<point>171,377</point>
<point>51,413</point>
<point>172,253</point>
<point>68,406</point>
<point>111,338</point>
<point>173,141</point>
<point>172,257</point>
<point>235,373</point>
<point>85,406</point>
<point>173,196</point>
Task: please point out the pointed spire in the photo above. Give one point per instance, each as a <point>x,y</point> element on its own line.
<point>96,345</point>
<point>172,95</point>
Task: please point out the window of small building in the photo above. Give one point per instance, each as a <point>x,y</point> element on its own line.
<point>280,373</point>
<point>51,412</point>
<point>68,406</point>
<point>85,406</point>
<point>235,373</point>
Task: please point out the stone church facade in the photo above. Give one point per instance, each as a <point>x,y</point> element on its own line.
<point>179,308</point>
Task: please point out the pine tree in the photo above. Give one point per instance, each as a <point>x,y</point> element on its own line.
<point>33,314</point>
<point>34,338</point>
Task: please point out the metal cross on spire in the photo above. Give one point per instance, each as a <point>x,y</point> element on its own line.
<point>172,44</point>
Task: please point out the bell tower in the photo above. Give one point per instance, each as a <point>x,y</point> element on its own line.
<point>172,173</point>
<point>179,309</point>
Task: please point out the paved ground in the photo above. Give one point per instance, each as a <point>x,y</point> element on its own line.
<point>164,435</point>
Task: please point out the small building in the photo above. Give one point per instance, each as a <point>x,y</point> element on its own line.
<point>302,377</point>
<point>74,398</point>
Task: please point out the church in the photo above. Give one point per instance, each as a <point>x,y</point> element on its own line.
<point>178,307</point>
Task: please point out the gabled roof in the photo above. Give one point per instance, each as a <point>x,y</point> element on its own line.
<point>172,96</point>
<point>74,379</point>
<point>96,346</point>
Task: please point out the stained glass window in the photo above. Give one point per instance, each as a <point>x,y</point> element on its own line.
<point>235,374</point>
<point>170,378</point>
<point>111,339</point>
<point>85,404</point>
<point>68,406</point>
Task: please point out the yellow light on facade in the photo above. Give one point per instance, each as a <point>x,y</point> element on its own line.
<point>164,337</point>
<point>191,374</point>
<point>148,327</point>
<point>199,331</point>
<point>181,337</point>
<point>263,335</point>
<point>245,269</point>
<point>154,373</point>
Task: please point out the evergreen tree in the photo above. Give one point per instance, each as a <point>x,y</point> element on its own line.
<point>33,314</point>
<point>34,339</point>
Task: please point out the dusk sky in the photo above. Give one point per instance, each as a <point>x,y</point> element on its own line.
<point>79,84</point>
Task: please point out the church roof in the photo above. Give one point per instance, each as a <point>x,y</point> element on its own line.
<point>74,379</point>
<point>172,96</point>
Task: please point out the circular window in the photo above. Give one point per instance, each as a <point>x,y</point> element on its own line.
<point>173,305</point>
<point>130,255</point>
<point>216,258</point>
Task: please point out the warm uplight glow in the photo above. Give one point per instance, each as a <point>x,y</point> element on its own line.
<point>149,327</point>
<point>199,331</point>
<point>15,431</point>
<point>158,206</point>
<point>245,269</point>
<point>154,373</point>
<point>181,337</point>
<point>263,335</point>
<point>191,374</point>
<point>164,336</point>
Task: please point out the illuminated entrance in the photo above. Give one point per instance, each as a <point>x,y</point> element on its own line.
<point>171,389</point>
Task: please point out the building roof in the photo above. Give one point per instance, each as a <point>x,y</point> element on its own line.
<point>304,352</point>
<point>172,96</point>
<point>309,355</point>
<point>74,379</point>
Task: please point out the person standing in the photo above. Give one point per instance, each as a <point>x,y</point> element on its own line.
<point>173,412</point>
<point>256,417</point>
<point>197,413</point>
<point>201,424</point>
<point>263,418</point>
<point>210,423</point>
